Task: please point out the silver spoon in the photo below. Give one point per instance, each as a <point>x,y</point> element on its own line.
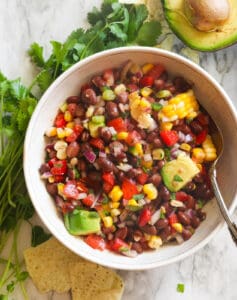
<point>218,141</point>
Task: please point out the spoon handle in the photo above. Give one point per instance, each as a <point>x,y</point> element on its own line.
<point>231,225</point>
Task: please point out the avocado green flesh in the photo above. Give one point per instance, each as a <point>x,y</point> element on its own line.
<point>202,41</point>
<point>82,222</point>
<point>178,172</point>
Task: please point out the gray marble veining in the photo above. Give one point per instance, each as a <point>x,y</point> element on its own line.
<point>209,274</point>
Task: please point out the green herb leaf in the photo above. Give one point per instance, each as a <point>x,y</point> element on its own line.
<point>177,178</point>
<point>156,106</point>
<point>138,196</point>
<point>36,54</point>
<point>10,287</point>
<point>149,33</point>
<point>4,297</point>
<point>162,215</point>
<point>22,276</point>
<point>200,203</point>
<point>38,236</point>
<point>180,288</point>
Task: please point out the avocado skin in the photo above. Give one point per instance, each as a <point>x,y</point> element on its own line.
<point>82,222</point>
<point>183,167</point>
<point>197,40</point>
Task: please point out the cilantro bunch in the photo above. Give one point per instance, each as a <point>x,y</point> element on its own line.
<point>115,25</point>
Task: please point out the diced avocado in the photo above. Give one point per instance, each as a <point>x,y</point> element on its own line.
<point>222,37</point>
<point>82,222</point>
<point>178,172</point>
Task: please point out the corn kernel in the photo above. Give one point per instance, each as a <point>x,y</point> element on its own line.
<point>191,115</point>
<point>150,190</point>
<point>107,151</point>
<point>60,145</point>
<point>147,164</point>
<point>122,135</point>
<point>209,149</point>
<point>63,107</point>
<point>116,193</point>
<point>137,149</point>
<point>158,154</point>
<point>52,131</point>
<point>60,133</point>
<point>185,147</point>
<point>108,221</point>
<point>67,131</point>
<point>70,125</point>
<point>51,179</point>
<point>120,88</point>
<point>67,116</point>
<point>146,91</point>
<point>90,111</point>
<point>74,161</point>
<point>166,126</point>
<point>147,67</point>
<point>114,205</point>
<point>155,242</point>
<point>60,187</point>
<point>178,227</point>
<point>144,103</point>
<point>132,202</point>
<point>198,155</point>
<point>115,212</point>
<point>199,167</point>
<point>61,154</point>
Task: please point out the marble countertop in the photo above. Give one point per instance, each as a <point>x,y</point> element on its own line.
<point>211,273</point>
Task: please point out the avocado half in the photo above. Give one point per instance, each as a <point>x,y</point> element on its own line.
<point>195,39</point>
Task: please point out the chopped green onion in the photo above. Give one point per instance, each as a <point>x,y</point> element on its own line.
<point>108,95</point>
<point>180,288</point>
<point>156,106</point>
<point>98,119</point>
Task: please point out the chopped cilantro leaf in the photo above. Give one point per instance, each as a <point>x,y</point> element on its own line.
<point>200,203</point>
<point>172,196</point>
<point>38,236</point>
<point>105,199</point>
<point>162,215</point>
<point>177,178</point>
<point>180,288</point>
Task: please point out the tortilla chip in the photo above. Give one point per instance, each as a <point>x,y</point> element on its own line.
<point>92,281</point>
<point>47,265</point>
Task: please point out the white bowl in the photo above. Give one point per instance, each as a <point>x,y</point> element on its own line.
<point>210,95</point>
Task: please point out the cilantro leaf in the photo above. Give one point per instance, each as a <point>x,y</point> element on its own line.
<point>36,54</point>
<point>17,89</point>
<point>44,79</point>
<point>38,236</point>
<point>180,288</point>
<point>177,178</point>
<point>137,15</point>
<point>149,33</point>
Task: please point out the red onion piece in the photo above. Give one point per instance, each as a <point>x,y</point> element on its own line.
<point>90,155</point>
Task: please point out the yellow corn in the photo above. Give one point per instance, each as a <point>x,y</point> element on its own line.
<point>67,116</point>
<point>199,167</point>
<point>178,227</point>
<point>155,242</point>
<point>132,202</point>
<point>191,115</point>
<point>107,151</point>
<point>179,107</point>
<point>147,67</point>
<point>68,131</point>
<point>150,190</point>
<point>108,221</point>
<point>198,155</point>
<point>146,91</point>
<point>116,193</point>
<point>185,147</point>
<point>70,125</point>
<point>60,187</point>
<point>144,103</point>
<point>114,205</point>
<point>74,161</point>
<point>122,135</point>
<point>209,149</point>
<point>52,131</point>
<point>63,107</point>
<point>60,133</point>
<point>51,179</point>
<point>166,126</point>
<point>147,164</point>
<point>138,149</point>
<point>115,212</point>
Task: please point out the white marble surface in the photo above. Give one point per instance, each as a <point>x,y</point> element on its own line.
<point>209,274</point>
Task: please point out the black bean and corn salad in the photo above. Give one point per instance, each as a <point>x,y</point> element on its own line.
<point>127,160</point>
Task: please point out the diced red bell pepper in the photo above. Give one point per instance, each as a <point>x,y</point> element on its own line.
<point>58,178</point>
<point>59,120</point>
<point>70,190</point>
<point>119,245</point>
<point>107,187</point>
<point>146,81</point>
<point>133,138</point>
<point>89,200</point>
<point>173,219</point>
<point>59,167</point>
<point>156,71</point>
<point>142,178</point>
<point>72,137</point>
<point>181,196</point>
<point>95,241</point>
<point>81,187</point>
<point>109,178</point>
<point>200,138</point>
<point>118,124</point>
<point>97,143</point>
<point>129,189</point>
<point>144,217</point>
<point>169,137</point>
<point>52,161</point>
<point>77,130</point>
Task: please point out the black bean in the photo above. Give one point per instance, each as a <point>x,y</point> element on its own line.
<point>190,186</point>
<point>72,149</point>
<point>89,97</point>
<point>120,176</point>
<point>132,173</point>
<point>116,149</point>
<point>81,165</point>
<point>162,223</point>
<point>181,84</point>
<point>159,84</point>
<point>121,233</point>
<point>105,134</point>
<point>201,214</point>
<point>198,178</point>
<point>196,126</point>
<point>160,164</point>
<point>94,176</point>
<point>44,168</point>
<point>165,233</point>
<point>52,188</point>
<point>190,202</point>
<point>112,109</point>
<point>186,234</point>
<point>137,247</point>
<point>98,81</point>
<point>80,110</point>
<point>73,99</point>
<point>157,143</point>
<point>151,136</point>
<point>183,128</point>
<point>195,221</point>
<point>155,179</point>
<point>123,97</point>
<point>105,164</point>
<point>183,218</point>
<point>85,136</point>
<point>164,193</point>
<point>149,229</point>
